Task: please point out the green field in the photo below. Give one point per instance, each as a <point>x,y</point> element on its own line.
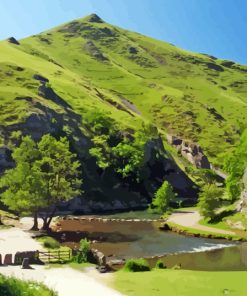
<point>180,283</point>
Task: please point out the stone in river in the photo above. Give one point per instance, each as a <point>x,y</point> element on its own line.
<point>25,264</point>
<point>8,259</point>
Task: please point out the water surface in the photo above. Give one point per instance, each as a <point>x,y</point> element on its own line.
<point>119,240</point>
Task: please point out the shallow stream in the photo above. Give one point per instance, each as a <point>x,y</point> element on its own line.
<point>125,239</point>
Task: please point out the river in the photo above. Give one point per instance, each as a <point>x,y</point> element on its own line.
<point>125,239</point>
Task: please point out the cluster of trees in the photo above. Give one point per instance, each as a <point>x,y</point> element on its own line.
<point>46,174</point>
<point>123,151</point>
<point>212,197</point>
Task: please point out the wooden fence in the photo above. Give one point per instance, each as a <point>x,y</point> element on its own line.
<point>60,256</point>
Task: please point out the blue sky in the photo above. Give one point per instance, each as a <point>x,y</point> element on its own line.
<point>217,27</point>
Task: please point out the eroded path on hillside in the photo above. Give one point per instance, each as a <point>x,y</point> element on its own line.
<point>192,219</point>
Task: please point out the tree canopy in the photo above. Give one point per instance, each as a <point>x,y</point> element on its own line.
<point>210,200</point>
<point>235,166</point>
<point>46,174</point>
<point>163,196</point>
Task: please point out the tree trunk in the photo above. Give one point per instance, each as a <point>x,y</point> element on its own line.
<point>35,222</point>
<point>47,220</point>
<point>44,227</point>
<point>1,223</point>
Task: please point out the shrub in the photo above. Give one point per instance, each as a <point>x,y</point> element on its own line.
<point>136,265</point>
<point>82,255</point>
<point>10,286</point>
<point>160,265</point>
<point>50,243</point>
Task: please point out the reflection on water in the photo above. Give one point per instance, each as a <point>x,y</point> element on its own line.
<point>144,239</point>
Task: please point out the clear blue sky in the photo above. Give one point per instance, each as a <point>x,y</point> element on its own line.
<point>217,27</point>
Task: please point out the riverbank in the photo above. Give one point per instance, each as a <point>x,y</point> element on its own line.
<point>188,223</point>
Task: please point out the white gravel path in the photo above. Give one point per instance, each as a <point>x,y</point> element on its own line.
<point>65,280</point>
<point>191,219</point>
<point>14,240</point>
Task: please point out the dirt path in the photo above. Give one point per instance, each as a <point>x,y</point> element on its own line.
<point>14,240</point>
<point>191,219</point>
<point>65,280</point>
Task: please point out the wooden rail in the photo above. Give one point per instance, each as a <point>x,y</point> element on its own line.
<point>54,256</point>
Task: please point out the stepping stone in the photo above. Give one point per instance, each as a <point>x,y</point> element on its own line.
<point>25,263</point>
<point>8,259</point>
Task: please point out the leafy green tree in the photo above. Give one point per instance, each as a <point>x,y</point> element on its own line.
<point>22,186</point>
<point>128,158</point>
<point>235,166</point>
<point>45,175</point>
<point>101,151</point>
<point>163,196</point>
<point>210,200</point>
<point>60,175</point>
<point>100,122</point>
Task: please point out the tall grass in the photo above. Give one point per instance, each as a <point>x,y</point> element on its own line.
<point>10,286</point>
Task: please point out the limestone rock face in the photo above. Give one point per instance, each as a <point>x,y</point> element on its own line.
<point>194,154</point>
<point>191,151</point>
<point>86,205</point>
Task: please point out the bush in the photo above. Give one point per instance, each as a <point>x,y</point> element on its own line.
<point>135,265</point>
<point>50,242</point>
<point>160,265</point>
<point>12,287</point>
<point>82,255</point>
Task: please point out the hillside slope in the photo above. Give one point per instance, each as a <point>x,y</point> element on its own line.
<point>101,86</point>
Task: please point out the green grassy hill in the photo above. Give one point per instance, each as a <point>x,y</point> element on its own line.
<point>58,80</point>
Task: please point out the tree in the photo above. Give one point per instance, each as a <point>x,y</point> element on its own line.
<point>60,172</point>
<point>45,175</point>
<point>210,200</point>
<point>22,186</point>
<point>162,198</point>
<point>235,166</point>
<point>129,155</point>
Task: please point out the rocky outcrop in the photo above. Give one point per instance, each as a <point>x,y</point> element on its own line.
<point>13,41</point>
<point>192,152</point>
<point>98,257</point>
<point>94,18</point>
<point>88,205</point>
<point>94,51</point>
